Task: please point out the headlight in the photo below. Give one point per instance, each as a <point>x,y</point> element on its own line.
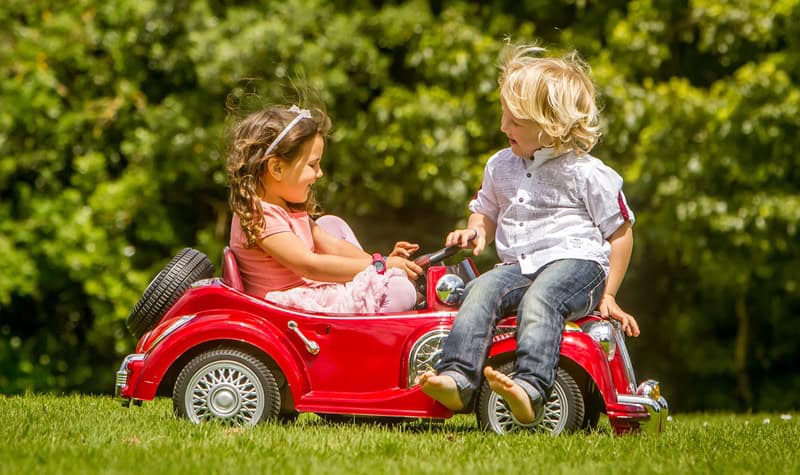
<point>651,389</point>
<point>603,333</point>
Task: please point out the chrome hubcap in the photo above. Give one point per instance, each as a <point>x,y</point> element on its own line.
<point>226,391</point>
<point>223,401</point>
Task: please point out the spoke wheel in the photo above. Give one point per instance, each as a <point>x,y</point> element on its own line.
<point>226,385</point>
<point>563,411</point>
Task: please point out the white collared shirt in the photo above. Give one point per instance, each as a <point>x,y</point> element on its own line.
<point>551,207</point>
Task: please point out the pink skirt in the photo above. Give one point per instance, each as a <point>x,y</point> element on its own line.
<point>368,292</point>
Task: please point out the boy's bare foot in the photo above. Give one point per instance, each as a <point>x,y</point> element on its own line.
<point>517,399</point>
<point>441,388</point>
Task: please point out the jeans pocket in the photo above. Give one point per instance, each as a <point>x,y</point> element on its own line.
<point>584,301</point>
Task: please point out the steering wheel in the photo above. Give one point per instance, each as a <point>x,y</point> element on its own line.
<point>430,259</point>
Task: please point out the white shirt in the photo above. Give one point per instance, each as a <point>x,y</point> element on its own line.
<point>551,207</point>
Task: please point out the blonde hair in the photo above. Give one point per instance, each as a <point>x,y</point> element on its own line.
<point>556,93</point>
<point>247,160</point>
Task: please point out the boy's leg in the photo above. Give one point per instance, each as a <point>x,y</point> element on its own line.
<point>487,298</point>
<point>563,290</point>
<point>338,227</point>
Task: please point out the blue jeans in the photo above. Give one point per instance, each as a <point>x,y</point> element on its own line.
<point>562,290</point>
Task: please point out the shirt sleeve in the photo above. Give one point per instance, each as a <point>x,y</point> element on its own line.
<point>276,220</point>
<point>485,201</point>
<point>605,200</point>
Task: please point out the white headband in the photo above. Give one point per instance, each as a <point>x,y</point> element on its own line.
<point>301,114</point>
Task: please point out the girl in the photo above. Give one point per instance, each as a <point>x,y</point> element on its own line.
<point>283,254</point>
<point>562,230</point>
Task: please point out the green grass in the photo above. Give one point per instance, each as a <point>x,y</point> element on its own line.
<point>94,434</point>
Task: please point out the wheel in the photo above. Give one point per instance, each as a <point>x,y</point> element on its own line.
<point>563,411</point>
<point>227,385</point>
<point>186,268</point>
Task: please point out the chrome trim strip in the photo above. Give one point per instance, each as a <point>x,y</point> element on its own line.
<point>179,323</point>
<point>626,359</point>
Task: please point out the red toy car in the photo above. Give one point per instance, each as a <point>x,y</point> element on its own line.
<point>225,355</point>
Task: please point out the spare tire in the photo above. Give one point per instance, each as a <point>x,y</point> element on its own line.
<point>186,268</point>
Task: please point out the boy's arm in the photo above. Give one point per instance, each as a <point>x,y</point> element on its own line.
<point>621,247</point>
<point>479,233</point>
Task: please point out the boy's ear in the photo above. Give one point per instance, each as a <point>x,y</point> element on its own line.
<point>275,168</point>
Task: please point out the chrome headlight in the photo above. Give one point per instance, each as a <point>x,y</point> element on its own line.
<point>450,289</point>
<point>603,332</point>
<point>651,389</point>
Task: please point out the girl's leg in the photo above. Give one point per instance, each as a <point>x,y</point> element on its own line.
<point>336,226</point>
<point>400,295</point>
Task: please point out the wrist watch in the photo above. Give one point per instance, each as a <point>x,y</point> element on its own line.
<point>379,262</point>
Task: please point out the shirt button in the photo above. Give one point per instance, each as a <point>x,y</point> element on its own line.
<point>521,200</point>
<point>529,175</point>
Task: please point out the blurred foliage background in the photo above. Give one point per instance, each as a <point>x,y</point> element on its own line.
<point>112,150</point>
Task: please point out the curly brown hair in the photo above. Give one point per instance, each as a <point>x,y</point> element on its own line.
<point>247,161</point>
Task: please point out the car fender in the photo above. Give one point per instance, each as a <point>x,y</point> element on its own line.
<point>579,348</point>
<point>209,326</point>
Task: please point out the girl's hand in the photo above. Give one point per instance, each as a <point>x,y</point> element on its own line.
<point>608,308</point>
<point>411,269</point>
<point>404,249</point>
<point>469,237</point>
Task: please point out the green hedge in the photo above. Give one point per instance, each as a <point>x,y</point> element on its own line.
<point>111,136</point>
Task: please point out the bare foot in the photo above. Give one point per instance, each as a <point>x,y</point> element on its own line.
<point>442,389</point>
<point>516,398</point>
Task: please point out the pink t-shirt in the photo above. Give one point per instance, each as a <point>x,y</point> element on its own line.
<point>260,272</point>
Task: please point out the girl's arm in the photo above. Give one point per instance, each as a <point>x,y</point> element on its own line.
<point>479,233</point>
<point>291,252</point>
<point>621,247</point>
<point>326,243</point>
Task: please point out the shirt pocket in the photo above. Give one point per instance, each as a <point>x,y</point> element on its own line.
<point>548,194</point>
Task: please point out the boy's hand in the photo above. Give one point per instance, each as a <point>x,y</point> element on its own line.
<point>404,249</point>
<point>467,238</point>
<point>608,308</point>
<point>411,269</point>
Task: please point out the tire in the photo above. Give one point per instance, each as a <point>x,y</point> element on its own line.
<point>186,268</point>
<point>594,407</point>
<point>226,385</point>
<point>563,411</point>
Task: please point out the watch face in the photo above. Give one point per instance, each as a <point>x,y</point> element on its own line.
<point>379,263</point>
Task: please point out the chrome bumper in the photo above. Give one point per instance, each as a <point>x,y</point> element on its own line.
<point>649,396</point>
<point>122,377</point>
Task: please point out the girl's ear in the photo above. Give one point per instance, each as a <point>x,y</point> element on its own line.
<point>275,168</point>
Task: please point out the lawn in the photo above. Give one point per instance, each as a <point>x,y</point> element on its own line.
<point>94,434</point>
